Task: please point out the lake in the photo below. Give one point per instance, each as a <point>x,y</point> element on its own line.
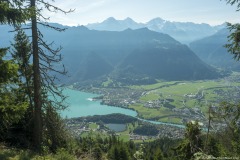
<point>117,127</point>
<point>81,104</point>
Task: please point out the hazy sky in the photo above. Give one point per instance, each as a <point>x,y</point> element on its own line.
<point>199,11</point>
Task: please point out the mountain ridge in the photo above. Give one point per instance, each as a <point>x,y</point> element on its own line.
<point>131,56</point>
<point>185,32</point>
<point>212,51</point>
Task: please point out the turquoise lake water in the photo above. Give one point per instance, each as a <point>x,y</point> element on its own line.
<point>80,105</point>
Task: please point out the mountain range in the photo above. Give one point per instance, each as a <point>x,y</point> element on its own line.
<point>185,32</point>
<point>212,51</point>
<point>137,56</point>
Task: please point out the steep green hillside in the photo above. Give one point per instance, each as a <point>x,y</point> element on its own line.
<point>168,62</point>
<point>131,56</point>
<point>212,51</point>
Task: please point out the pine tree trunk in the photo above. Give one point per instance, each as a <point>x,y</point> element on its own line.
<point>37,121</point>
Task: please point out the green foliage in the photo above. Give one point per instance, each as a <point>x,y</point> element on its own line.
<point>56,135</point>
<point>232,2</point>
<point>21,53</point>
<point>201,155</point>
<point>213,147</point>
<point>192,142</point>
<point>146,129</point>
<point>158,155</point>
<point>63,154</point>
<point>13,104</point>
<point>110,118</point>
<point>11,13</point>
<point>97,153</point>
<point>16,100</point>
<point>110,147</point>
<point>230,114</point>
<point>16,154</point>
<point>15,93</point>
<point>234,40</point>
<point>140,153</point>
<point>161,148</point>
<point>5,155</point>
<point>12,110</point>
<point>118,153</point>
<point>8,69</point>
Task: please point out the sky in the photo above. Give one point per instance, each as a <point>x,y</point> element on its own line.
<point>213,12</point>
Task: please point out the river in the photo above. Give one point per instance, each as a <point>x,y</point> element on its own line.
<point>81,105</point>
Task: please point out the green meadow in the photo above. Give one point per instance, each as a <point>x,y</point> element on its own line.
<point>182,94</point>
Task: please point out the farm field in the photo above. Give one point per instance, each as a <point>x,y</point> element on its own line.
<point>177,100</point>
<point>170,101</point>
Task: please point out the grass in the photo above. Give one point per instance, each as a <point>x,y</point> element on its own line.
<point>17,154</point>
<point>149,113</point>
<point>93,126</point>
<point>191,103</point>
<point>174,120</point>
<point>124,136</point>
<point>177,91</point>
<point>188,87</point>
<point>106,84</point>
<point>153,86</point>
<point>150,97</point>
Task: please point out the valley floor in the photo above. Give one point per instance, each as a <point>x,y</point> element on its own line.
<point>171,102</point>
<point>99,129</point>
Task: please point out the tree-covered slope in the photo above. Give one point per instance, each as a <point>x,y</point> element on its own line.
<point>126,55</point>
<point>212,51</point>
<point>131,53</point>
<point>168,62</point>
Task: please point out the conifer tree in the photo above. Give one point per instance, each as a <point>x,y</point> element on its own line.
<point>192,142</point>
<point>229,114</point>
<point>18,11</point>
<point>11,12</point>
<point>12,102</point>
<point>228,111</point>
<point>97,152</point>
<point>234,38</point>
<point>21,53</point>
<point>43,78</point>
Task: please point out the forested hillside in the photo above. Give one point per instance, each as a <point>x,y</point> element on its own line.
<point>212,51</point>
<point>127,56</point>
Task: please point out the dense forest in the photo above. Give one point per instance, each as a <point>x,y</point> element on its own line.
<point>31,127</point>
<point>110,118</point>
